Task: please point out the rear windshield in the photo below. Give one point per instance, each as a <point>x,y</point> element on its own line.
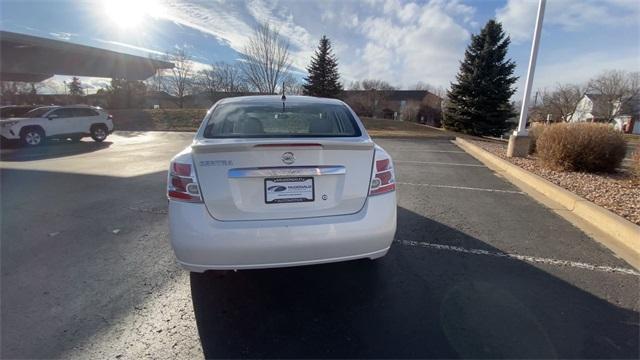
<point>238,120</point>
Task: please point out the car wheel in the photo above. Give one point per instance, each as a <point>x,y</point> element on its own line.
<point>99,133</point>
<point>32,137</point>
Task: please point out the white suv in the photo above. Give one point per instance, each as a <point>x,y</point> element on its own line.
<point>62,122</point>
<point>271,183</point>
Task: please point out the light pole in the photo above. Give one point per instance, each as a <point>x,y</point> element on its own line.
<point>519,141</point>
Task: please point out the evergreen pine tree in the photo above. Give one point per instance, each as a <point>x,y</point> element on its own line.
<point>323,79</point>
<point>75,87</point>
<point>479,101</point>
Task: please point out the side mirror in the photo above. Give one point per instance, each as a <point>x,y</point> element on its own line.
<point>52,116</point>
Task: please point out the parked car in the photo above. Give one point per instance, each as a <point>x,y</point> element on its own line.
<point>11,111</point>
<point>271,183</point>
<point>61,122</point>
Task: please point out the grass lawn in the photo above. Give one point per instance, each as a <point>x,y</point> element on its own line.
<point>190,119</point>
<point>633,139</point>
<point>396,128</point>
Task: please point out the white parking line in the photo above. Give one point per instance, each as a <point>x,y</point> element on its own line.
<point>531,259</point>
<point>435,163</point>
<point>463,188</point>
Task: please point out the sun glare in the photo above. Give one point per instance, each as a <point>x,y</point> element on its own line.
<point>130,14</point>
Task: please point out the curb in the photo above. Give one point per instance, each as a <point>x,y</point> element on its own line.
<point>624,235</point>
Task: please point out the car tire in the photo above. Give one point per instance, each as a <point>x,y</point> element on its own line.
<point>99,133</point>
<point>32,137</point>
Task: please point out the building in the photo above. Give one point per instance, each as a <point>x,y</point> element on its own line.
<point>591,108</point>
<point>597,108</point>
<point>411,105</point>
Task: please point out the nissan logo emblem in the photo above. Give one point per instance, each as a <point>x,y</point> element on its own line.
<point>288,158</point>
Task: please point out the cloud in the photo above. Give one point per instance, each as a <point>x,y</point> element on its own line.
<point>579,69</point>
<point>400,41</point>
<point>234,23</point>
<point>226,21</point>
<point>62,35</point>
<point>56,84</point>
<point>129,46</point>
<point>406,49</point>
<point>518,16</point>
<point>300,39</point>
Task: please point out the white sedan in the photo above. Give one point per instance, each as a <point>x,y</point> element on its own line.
<point>273,182</point>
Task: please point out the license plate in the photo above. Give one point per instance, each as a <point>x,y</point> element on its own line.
<point>288,190</point>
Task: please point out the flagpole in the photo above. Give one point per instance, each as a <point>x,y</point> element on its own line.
<point>519,141</point>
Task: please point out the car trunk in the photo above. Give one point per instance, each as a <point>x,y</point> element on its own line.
<point>267,179</point>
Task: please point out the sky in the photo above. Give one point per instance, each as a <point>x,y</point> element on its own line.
<point>399,41</point>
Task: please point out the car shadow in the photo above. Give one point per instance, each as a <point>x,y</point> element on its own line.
<point>131,134</point>
<point>414,303</point>
<point>52,149</point>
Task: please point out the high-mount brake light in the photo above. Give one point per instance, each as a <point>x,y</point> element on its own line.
<point>383,178</point>
<point>182,184</point>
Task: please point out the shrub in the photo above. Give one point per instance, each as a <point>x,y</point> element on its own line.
<point>581,147</point>
<point>534,132</point>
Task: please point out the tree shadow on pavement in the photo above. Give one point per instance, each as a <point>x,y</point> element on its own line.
<point>413,303</point>
<point>52,149</point>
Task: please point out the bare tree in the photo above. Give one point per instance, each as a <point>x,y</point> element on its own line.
<point>375,84</point>
<point>208,81</point>
<point>156,83</point>
<point>15,92</point>
<point>436,90</point>
<point>293,85</point>
<point>221,77</point>
<point>9,91</point>
<point>615,90</point>
<point>562,102</point>
<point>266,59</point>
<point>373,95</point>
<point>178,80</point>
<point>420,85</point>
<point>230,77</point>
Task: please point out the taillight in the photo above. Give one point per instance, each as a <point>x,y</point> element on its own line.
<point>383,179</point>
<point>182,184</point>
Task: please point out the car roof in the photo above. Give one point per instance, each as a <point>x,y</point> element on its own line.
<point>19,106</point>
<point>81,106</point>
<point>290,99</point>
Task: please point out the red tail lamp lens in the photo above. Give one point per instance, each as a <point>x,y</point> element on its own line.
<point>182,169</point>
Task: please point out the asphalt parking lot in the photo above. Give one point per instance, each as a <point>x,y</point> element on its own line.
<point>478,269</point>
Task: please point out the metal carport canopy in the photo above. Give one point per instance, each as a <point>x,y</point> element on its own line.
<point>31,59</point>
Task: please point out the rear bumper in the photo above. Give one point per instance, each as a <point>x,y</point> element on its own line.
<point>202,243</point>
